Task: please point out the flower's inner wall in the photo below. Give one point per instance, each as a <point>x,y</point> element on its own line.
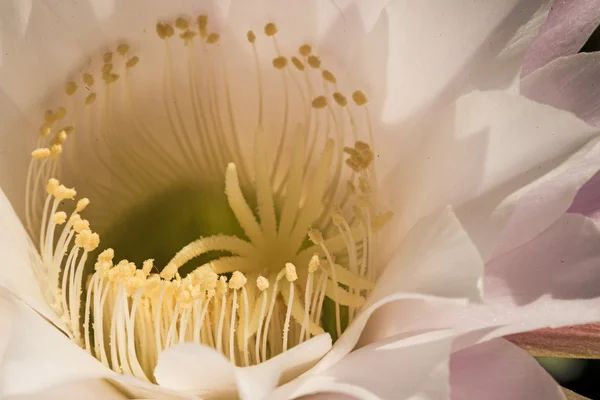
<point>160,225</point>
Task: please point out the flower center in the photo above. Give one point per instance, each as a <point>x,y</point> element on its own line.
<point>248,252</point>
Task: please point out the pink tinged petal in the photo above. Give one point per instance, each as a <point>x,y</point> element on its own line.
<point>569,83</point>
<point>550,282</point>
<point>569,25</point>
<point>476,154</point>
<point>581,341</point>
<point>437,262</point>
<point>88,390</point>
<point>587,201</point>
<point>201,370</point>
<point>499,370</point>
<point>456,42</point>
<point>402,367</point>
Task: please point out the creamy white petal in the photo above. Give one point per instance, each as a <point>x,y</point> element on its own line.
<point>402,367</point>
<point>488,143</point>
<point>92,390</point>
<point>201,370</point>
<point>436,47</point>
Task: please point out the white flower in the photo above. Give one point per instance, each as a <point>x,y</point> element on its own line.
<point>263,177</point>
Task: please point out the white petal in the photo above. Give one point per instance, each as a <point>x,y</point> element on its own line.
<point>18,257</point>
<point>499,370</point>
<point>92,390</point>
<point>489,143</point>
<point>201,370</point>
<point>436,47</point>
<point>401,367</point>
<point>38,356</point>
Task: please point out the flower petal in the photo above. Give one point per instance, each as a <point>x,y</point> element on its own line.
<point>93,390</point>
<point>587,201</point>
<point>486,148</point>
<point>19,254</point>
<point>568,83</point>
<point>581,341</point>
<point>401,367</point>
<point>201,370</point>
<point>498,370</point>
<point>436,48</point>
<point>568,27</point>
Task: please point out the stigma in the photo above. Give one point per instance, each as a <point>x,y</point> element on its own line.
<point>303,190</point>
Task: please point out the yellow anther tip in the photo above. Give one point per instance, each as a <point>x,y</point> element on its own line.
<point>314,264</point>
<point>213,38</point>
<point>107,57</point>
<point>328,76</point>
<point>359,98</point>
<point>40,153</point>
<point>59,218</point>
<point>262,283</point>
<point>315,236</point>
<point>314,61</point>
<point>297,63</point>
<point>280,62</point>
<point>182,23</point>
<point>88,79</point>
<point>90,99</point>
<point>270,29</point>
<point>319,102</point>
<point>340,99</point>
<point>290,272</point>
<point>82,204</point>
<point>251,37</point>
<point>70,88</point>
<point>305,50</point>
<point>237,281</point>
<point>132,62</point>
<point>202,21</point>
<point>123,49</point>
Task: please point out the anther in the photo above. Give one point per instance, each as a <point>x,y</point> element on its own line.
<point>70,88</point>
<point>82,204</point>
<point>315,236</point>
<point>147,267</point>
<point>107,68</point>
<point>182,23</point>
<point>251,37</point>
<point>297,63</point>
<point>328,76</point>
<point>202,21</point>
<point>262,283</point>
<point>87,79</point>
<point>305,50</point>
<point>62,193</point>
<point>164,30</point>
<point>187,36</point>
<point>41,153</point>
<point>81,225</point>
<point>59,218</point>
<point>270,29</point>
<point>132,62</point>
<point>290,272</point>
<point>52,185</point>
<point>45,131</point>
<point>55,150</point>
<point>123,49</point>
<point>107,57</point>
<point>313,264</point>
<point>237,281</point>
<point>319,102</point>
<point>280,62</point>
<point>314,61</point>
<point>340,99</point>
<point>359,98</point>
<point>60,114</point>
<point>90,98</point>
<point>213,38</point>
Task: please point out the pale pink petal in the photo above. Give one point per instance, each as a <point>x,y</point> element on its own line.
<point>499,370</point>
<point>436,47</point>
<point>587,201</point>
<point>496,143</point>
<point>201,370</point>
<point>401,367</point>
<point>92,390</point>
<point>568,27</point>
<point>552,281</point>
<point>569,83</point>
